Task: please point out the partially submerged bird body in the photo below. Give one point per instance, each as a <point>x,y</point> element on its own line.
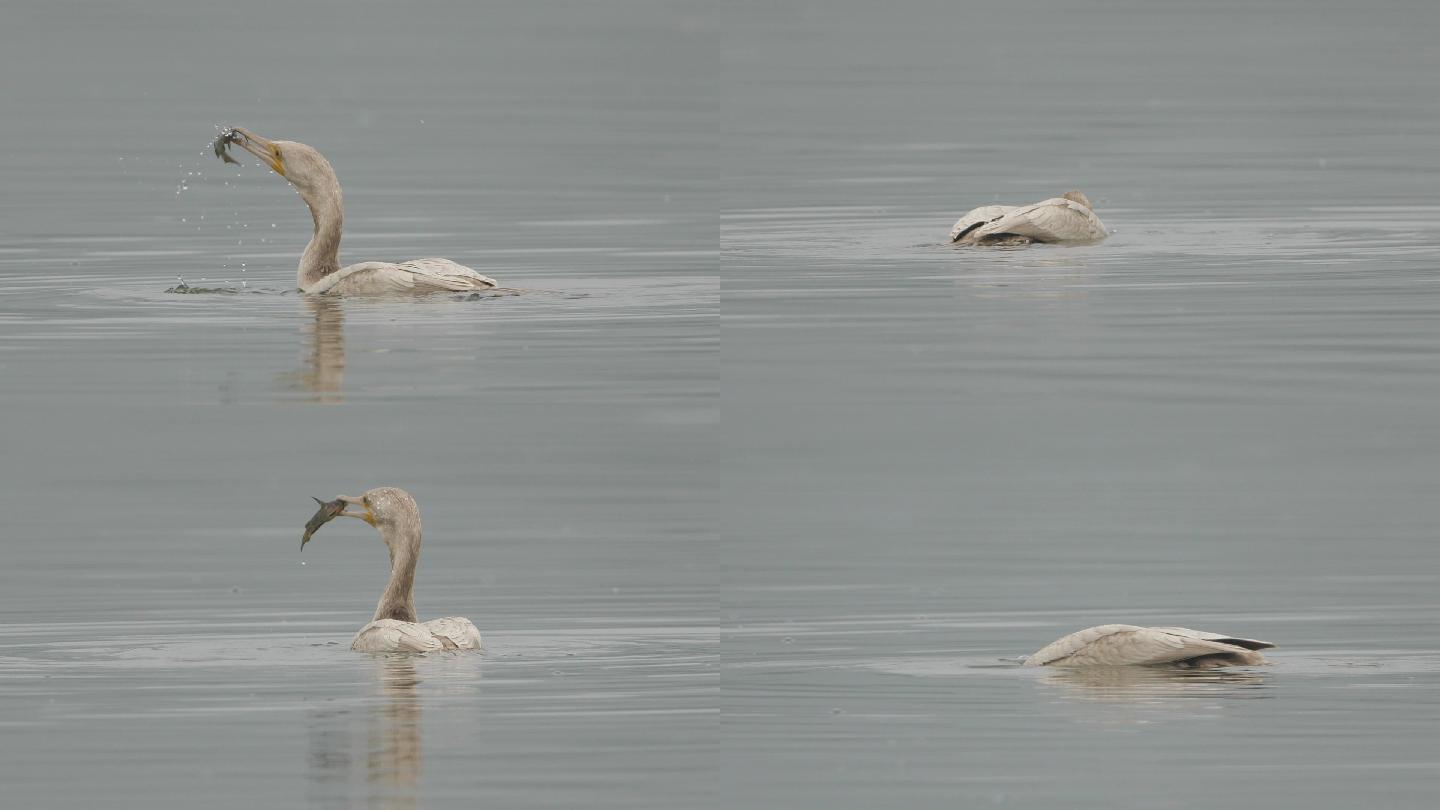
<point>1130,645</point>
<point>393,635</point>
<point>320,272</point>
<point>395,627</point>
<point>1068,218</point>
<point>416,275</point>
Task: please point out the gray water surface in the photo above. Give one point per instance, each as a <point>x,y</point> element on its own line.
<point>163,642</point>
<point>1221,417</point>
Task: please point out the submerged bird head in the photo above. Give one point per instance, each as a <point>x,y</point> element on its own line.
<point>1075,196</point>
<point>301,164</point>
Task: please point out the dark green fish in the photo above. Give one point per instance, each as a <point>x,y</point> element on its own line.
<point>222,144</point>
<point>323,515</point>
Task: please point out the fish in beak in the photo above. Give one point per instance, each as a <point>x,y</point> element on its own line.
<point>263,148</point>
<point>326,513</point>
<point>329,510</point>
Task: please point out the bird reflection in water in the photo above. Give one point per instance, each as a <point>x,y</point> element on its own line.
<point>386,730</point>
<point>393,766</point>
<point>323,373</point>
<point>1150,684</point>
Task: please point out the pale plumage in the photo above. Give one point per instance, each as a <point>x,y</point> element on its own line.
<point>320,272</point>
<point>1129,645</point>
<point>395,627</point>
<point>393,635</point>
<point>977,217</point>
<point>1069,218</point>
<point>417,275</point>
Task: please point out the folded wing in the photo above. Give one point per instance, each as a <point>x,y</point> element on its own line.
<point>1053,220</point>
<point>456,630</point>
<point>417,275</point>
<point>443,274</point>
<point>1247,643</point>
<point>978,217</point>
<point>391,635</point>
<point>1129,645</point>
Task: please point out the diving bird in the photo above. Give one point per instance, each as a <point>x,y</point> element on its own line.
<point>320,271</point>
<point>1067,218</point>
<point>395,627</point>
<point>1126,645</point>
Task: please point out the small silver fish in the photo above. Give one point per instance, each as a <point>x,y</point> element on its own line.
<point>222,144</point>
<point>323,515</point>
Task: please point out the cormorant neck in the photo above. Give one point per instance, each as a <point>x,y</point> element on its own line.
<point>322,255</point>
<point>398,601</point>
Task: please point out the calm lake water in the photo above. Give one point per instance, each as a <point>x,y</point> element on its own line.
<point>163,642</point>
<point>1222,417</point>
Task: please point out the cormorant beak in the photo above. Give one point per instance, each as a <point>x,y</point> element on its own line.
<point>329,510</point>
<point>262,148</point>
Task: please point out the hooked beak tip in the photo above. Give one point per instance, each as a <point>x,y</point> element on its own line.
<point>262,148</point>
